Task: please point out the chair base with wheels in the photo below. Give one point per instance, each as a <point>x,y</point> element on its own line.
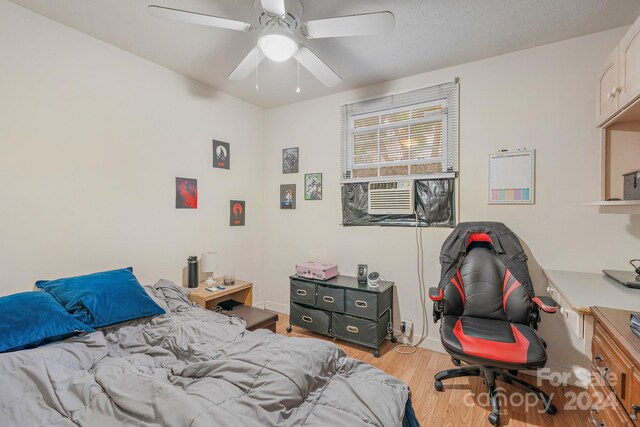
<point>490,376</point>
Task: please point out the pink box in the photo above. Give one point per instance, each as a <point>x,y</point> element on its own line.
<point>316,270</point>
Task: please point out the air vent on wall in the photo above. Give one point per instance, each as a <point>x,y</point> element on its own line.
<point>393,197</point>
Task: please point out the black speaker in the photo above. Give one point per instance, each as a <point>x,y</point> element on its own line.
<point>192,270</point>
<point>362,274</point>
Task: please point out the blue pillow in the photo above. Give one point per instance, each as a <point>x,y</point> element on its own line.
<point>29,319</point>
<point>102,299</point>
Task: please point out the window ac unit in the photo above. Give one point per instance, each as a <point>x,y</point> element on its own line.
<point>392,197</point>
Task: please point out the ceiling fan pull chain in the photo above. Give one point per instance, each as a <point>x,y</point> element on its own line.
<point>257,70</point>
<point>298,61</point>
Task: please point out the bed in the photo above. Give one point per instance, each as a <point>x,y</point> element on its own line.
<point>193,367</point>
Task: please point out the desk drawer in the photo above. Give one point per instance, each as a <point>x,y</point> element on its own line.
<point>573,319</point>
<point>609,362</point>
<point>634,401</point>
<point>309,318</point>
<point>303,292</point>
<point>329,298</point>
<point>605,410</point>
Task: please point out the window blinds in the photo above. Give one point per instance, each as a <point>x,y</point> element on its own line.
<point>411,134</point>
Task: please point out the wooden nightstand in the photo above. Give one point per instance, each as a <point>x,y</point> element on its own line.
<point>240,291</point>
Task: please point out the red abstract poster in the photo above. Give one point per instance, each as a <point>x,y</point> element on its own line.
<point>186,193</point>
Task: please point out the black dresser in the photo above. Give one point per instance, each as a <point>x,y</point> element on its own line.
<point>341,308</point>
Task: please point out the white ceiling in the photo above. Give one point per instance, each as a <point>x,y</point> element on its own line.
<point>429,34</point>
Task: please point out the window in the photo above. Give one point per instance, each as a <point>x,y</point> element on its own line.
<point>412,134</point>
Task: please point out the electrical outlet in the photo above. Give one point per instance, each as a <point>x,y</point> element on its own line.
<point>406,326</point>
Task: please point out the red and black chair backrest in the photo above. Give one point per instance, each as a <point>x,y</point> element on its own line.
<point>480,278</point>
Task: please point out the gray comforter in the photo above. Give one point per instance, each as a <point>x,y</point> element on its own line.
<point>193,367</point>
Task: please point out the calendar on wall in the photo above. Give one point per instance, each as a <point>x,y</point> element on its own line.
<point>511,177</point>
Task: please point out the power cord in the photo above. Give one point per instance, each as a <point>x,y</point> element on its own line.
<point>399,348</point>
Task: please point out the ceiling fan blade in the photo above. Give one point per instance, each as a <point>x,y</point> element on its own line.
<point>319,69</point>
<point>274,7</point>
<point>198,18</point>
<point>353,25</point>
<point>247,65</point>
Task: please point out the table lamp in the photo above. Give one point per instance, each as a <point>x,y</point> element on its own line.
<point>209,265</point>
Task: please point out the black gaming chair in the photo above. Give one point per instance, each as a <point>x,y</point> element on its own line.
<point>488,309</point>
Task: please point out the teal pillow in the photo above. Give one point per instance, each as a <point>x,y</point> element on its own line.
<point>30,319</point>
<point>102,299</point>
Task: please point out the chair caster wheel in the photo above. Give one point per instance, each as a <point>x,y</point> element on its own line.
<point>289,329</point>
<point>456,362</point>
<point>551,410</point>
<point>376,353</point>
<point>494,419</point>
<point>438,385</point>
<point>394,340</point>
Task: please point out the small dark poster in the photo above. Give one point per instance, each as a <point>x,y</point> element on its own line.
<point>221,155</point>
<point>237,213</point>
<point>186,193</point>
<point>288,196</point>
<point>290,160</point>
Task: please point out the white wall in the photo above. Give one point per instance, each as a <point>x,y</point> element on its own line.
<point>91,140</point>
<point>541,98</point>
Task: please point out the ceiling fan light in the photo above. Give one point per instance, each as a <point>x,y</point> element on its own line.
<point>277,47</point>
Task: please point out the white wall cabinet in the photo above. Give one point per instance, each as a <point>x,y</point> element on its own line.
<point>629,66</point>
<point>618,85</point>
<point>607,87</point>
<point>618,114</point>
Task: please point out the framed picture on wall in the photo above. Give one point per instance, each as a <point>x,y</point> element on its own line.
<point>313,186</point>
<point>288,196</point>
<point>290,160</point>
<point>221,155</point>
<point>186,193</point>
<point>237,213</point>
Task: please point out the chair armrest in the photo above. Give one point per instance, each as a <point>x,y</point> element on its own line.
<point>546,304</point>
<point>435,294</point>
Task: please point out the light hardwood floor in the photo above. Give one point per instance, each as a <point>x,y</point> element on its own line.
<point>449,408</point>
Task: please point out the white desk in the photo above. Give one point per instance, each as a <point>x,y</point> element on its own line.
<point>576,293</point>
<point>580,291</point>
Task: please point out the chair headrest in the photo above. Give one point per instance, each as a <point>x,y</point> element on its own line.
<point>478,237</point>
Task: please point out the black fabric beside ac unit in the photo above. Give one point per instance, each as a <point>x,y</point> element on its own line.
<point>434,204</point>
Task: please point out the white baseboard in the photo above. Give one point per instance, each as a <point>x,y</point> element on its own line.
<point>275,306</point>
<point>259,304</point>
<point>433,344</point>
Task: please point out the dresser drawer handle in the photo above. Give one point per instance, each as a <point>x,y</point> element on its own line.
<point>307,319</point>
<point>361,304</point>
<point>301,292</point>
<point>606,372</point>
<point>352,329</point>
<point>330,300</point>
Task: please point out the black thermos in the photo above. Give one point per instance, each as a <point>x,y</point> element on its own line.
<point>192,267</point>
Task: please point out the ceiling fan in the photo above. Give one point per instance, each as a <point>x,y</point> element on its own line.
<point>280,20</point>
